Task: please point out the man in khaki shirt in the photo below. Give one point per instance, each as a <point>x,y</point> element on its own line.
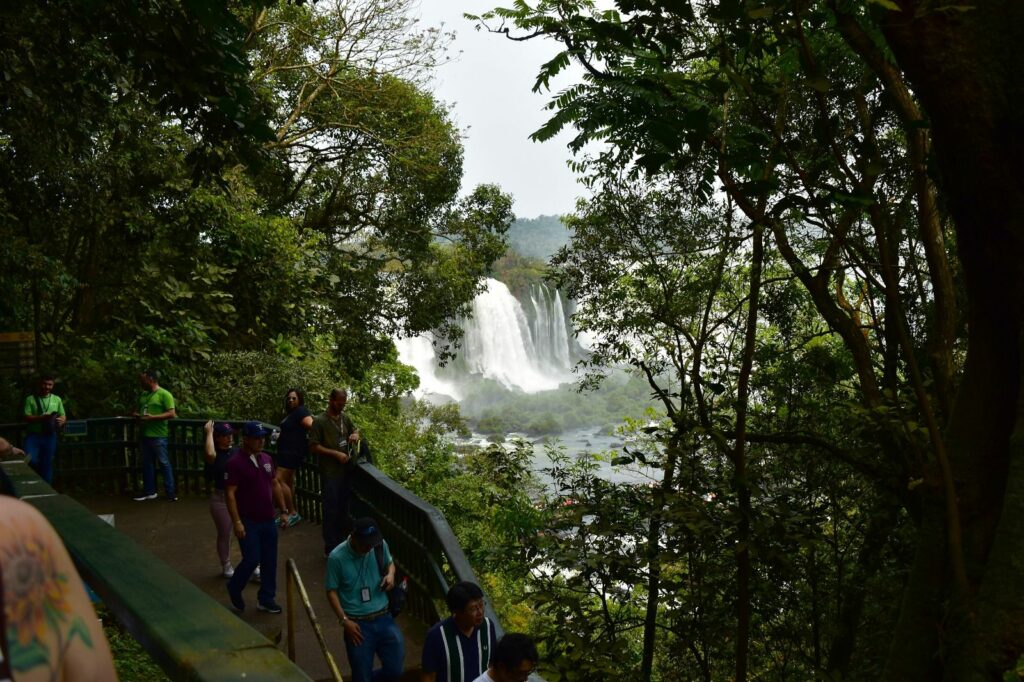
<point>334,439</point>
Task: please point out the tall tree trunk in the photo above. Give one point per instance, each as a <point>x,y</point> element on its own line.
<point>965,68</point>
<point>739,458</point>
<point>654,556</point>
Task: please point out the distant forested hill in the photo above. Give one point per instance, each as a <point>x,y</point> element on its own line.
<point>538,237</point>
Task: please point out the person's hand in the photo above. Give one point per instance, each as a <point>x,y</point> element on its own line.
<point>387,582</point>
<point>352,631</point>
<point>343,457</point>
<point>283,520</point>
<point>208,427</point>
<point>61,420</point>
<point>239,530</point>
<point>354,437</point>
<point>135,414</point>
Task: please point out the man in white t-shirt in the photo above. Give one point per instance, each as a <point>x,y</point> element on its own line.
<point>514,658</point>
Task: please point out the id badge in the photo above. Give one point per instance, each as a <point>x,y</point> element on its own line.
<point>364,594</point>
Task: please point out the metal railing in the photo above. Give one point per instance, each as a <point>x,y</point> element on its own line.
<point>105,459</point>
<point>293,582</point>
<point>422,542</point>
<point>190,635</point>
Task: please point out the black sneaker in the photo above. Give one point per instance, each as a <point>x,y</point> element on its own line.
<point>272,607</point>
<point>172,498</point>
<point>237,603</point>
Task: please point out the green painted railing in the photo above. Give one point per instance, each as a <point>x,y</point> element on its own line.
<point>191,636</point>
<point>105,459</point>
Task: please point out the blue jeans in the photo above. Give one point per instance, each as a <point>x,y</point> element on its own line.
<point>154,450</point>
<point>381,637</point>
<point>259,548</point>
<point>42,450</point>
<point>337,517</point>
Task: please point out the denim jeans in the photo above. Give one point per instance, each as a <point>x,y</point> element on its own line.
<point>42,450</point>
<point>259,548</point>
<point>337,517</point>
<point>381,637</point>
<point>154,450</point>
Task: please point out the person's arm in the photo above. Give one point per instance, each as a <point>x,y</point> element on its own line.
<point>320,450</point>
<point>388,581</point>
<point>351,628</point>
<point>353,433</point>
<point>8,451</point>
<point>236,520</point>
<point>316,438</point>
<point>209,450</point>
<point>169,414</point>
<point>69,644</point>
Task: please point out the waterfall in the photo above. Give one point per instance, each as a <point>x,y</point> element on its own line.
<point>527,349</point>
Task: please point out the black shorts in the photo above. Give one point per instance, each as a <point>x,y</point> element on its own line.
<point>290,460</point>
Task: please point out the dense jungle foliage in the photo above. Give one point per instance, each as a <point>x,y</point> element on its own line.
<point>804,235</point>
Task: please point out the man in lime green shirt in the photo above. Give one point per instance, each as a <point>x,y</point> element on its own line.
<point>156,407</point>
<point>44,413</point>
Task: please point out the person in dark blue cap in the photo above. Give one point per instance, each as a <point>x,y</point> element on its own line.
<point>357,592</point>
<point>251,490</point>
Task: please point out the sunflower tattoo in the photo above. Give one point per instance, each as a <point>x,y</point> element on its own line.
<point>36,604</point>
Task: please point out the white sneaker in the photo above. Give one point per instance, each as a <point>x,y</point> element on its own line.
<point>255,575</point>
<point>145,498</point>
<point>229,570</point>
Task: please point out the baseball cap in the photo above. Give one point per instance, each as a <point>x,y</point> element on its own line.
<point>367,531</point>
<point>223,429</point>
<point>254,429</point>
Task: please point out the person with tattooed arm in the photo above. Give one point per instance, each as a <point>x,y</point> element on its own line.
<point>48,628</point>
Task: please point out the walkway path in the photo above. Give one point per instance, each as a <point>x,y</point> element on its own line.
<point>182,535</point>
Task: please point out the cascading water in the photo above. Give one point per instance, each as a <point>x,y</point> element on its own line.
<point>527,349</point>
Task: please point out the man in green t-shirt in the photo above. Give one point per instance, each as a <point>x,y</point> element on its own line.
<point>44,413</point>
<point>156,407</point>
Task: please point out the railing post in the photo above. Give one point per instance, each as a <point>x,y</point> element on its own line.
<point>289,579</point>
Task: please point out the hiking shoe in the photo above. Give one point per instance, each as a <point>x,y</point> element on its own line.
<point>271,607</point>
<point>255,577</point>
<point>229,570</point>
<point>294,519</point>
<point>237,603</point>
<point>145,498</point>
<point>172,498</point>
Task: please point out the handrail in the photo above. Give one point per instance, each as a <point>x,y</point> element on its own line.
<point>292,581</point>
<point>422,541</point>
<point>190,636</point>
<point>411,522</point>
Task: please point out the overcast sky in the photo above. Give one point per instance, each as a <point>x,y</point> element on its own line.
<point>488,86</point>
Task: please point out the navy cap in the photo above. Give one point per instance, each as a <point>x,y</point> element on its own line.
<point>367,531</point>
<point>223,429</point>
<point>254,429</point>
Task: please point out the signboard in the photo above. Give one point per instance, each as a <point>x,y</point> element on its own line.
<point>17,353</point>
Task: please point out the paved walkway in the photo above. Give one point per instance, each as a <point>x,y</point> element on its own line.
<point>183,536</point>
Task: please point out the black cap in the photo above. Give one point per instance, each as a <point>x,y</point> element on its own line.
<point>367,531</point>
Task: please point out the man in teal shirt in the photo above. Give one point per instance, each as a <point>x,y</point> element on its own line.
<point>44,413</point>
<point>156,407</point>
<point>357,592</point>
